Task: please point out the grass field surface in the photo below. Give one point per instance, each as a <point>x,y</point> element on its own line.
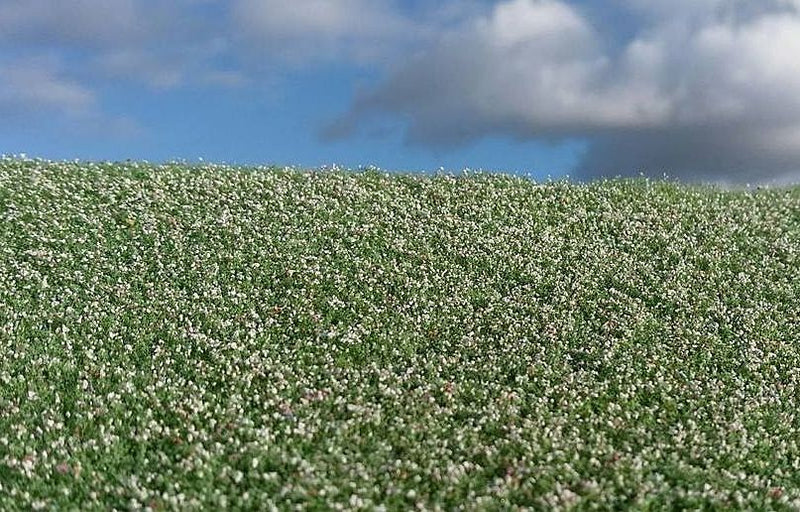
<point>179,337</point>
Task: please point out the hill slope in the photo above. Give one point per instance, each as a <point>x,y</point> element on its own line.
<point>179,337</point>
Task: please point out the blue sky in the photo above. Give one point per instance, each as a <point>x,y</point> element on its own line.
<point>697,89</point>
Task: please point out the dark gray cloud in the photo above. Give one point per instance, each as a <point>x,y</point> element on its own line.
<point>725,155</point>
<point>701,90</point>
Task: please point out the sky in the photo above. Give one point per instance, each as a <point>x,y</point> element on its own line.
<point>697,90</point>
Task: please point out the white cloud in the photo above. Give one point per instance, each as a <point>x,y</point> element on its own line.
<point>525,65</point>
<point>149,42</point>
<point>31,87</point>
<point>142,66</point>
<point>693,87</point>
<point>315,18</point>
<point>548,24</point>
<point>703,11</point>
<point>314,31</point>
<point>225,78</point>
<point>39,90</point>
<point>81,22</point>
<point>693,92</point>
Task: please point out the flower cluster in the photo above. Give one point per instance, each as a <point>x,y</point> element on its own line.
<point>208,337</point>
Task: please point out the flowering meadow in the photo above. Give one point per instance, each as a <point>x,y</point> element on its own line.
<point>177,337</point>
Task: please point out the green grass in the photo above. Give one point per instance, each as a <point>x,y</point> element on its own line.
<point>179,337</point>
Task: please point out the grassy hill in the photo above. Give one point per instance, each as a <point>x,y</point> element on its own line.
<point>181,337</point>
